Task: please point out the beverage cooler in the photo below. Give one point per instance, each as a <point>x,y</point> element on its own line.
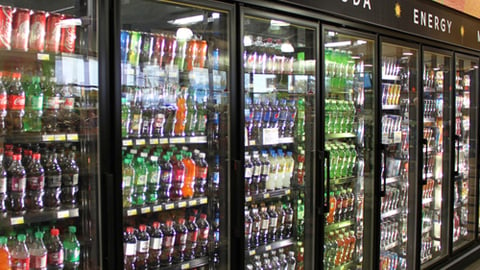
<point>279,92</point>
<point>49,211</point>
<point>175,83</point>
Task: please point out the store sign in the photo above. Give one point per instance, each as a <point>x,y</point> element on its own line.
<point>424,19</point>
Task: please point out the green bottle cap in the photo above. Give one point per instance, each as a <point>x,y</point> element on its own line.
<point>3,240</point>
<point>39,235</point>
<point>12,233</point>
<point>72,229</point>
<point>21,237</point>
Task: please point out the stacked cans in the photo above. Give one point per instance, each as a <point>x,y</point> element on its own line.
<point>35,30</point>
<point>162,50</point>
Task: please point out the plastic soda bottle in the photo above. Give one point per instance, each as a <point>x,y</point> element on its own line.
<point>168,243</point>
<point>273,172</point>
<point>20,255</point>
<point>51,107</point>
<point>248,174</point>
<point>201,172</point>
<point>191,112</point>
<point>35,184</point>
<point>129,249</point>
<point>180,241</point>
<point>5,259</point>
<point>16,178</point>
<point>33,107</point>
<point>55,256</point>
<point>70,175</point>
<point>289,166</point>
<point>203,231</point>
<point>156,240</point>
<point>143,245</point>
<point>181,115</point>
<point>3,186</point>
<point>281,174</point>
<point>166,170</point>
<point>53,182</point>
<point>190,169</point>
<point>125,118</point>
<point>178,178</point>
<point>38,253</point>
<point>265,181</point>
<point>140,182</point>
<point>128,174</point>
<point>15,105</point>
<point>3,105</point>
<point>153,180</point>
<point>72,249</point>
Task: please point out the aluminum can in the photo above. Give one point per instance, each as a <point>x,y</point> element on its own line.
<point>135,46</point>
<point>53,33</point>
<point>159,49</point>
<point>36,40</point>
<point>20,29</point>
<point>67,40</point>
<point>124,45</point>
<point>6,18</point>
<point>146,54</point>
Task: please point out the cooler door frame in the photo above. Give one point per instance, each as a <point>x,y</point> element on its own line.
<point>413,260</point>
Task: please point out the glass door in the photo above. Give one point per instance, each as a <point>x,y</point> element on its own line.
<point>49,135</point>
<point>175,122</point>
<point>398,136</point>
<point>465,155</point>
<point>279,69</point>
<point>436,150</point>
<point>349,117</point>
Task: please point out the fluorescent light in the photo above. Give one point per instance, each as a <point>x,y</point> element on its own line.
<point>215,15</point>
<point>331,33</point>
<point>355,57</point>
<point>184,33</point>
<point>338,44</point>
<point>65,23</point>
<point>287,47</point>
<point>407,53</point>
<point>187,20</point>
<point>278,23</point>
<point>360,42</point>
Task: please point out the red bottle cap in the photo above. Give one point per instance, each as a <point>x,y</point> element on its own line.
<point>142,227</point>
<point>181,221</point>
<point>17,157</point>
<point>191,219</point>
<point>130,230</point>
<point>169,223</point>
<point>203,216</point>
<point>54,232</point>
<point>36,156</point>
<point>156,225</point>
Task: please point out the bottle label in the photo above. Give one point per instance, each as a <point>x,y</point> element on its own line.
<point>169,241</point>
<point>192,236</point>
<point>248,172</point>
<point>273,222</point>
<point>257,170</point>
<point>3,185</point>
<point>72,254</point>
<point>16,102</point>
<point>203,235</point>
<point>127,181</point>
<point>265,224</point>
<point>201,172</point>
<point>181,239</point>
<point>202,122</point>
<point>3,101</point>
<point>216,178</point>
<point>265,168</point>
<point>130,249</point>
<point>55,258</point>
<point>142,246</point>
<point>18,184</point>
<point>288,218</point>
<point>35,182</point>
<point>53,181</point>
<point>35,103</point>
<point>70,179</point>
<point>156,243</point>
<point>165,177</point>
<point>69,103</point>
<point>141,180</point>
<point>53,103</point>
<point>136,123</point>
<point>20,263</point>
<point>38,261</point>
<point>159,121</point>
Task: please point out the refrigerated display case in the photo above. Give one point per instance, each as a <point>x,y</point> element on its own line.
<point>399,102</point>
<point>279,86</point>
<point>437,66</point>
<point>175,132</point>
<point>464,188</point>
<point>348,127</point>
<point>48,133</point>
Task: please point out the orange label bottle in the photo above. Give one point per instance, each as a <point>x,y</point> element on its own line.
<point>188,187</point>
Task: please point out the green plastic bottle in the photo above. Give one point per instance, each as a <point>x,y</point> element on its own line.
<point>71,246</point>
<point>140,182</point>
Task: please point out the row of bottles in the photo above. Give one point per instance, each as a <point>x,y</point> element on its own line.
<point>343,159</point>
<point>155,174</point>
<point>339,248</point>
<point>266,112</point>
<point>339,116</point>
<point>162,244</point>
<point>268,171</point>
<point>38,179</point>
<point>36,105</point>
<point>36,251</point>
<point>391,94</point>
<point>339,69</point>
<point>391,260</point>
<point>268,223</point>
<point>394,199</point>
<point>341,205</point>
<point>275,260</point>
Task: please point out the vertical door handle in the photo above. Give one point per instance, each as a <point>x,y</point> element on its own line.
<point>326,204</point>
<point>425,162</point>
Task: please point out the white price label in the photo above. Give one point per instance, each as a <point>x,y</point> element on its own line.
<point>270,136</point>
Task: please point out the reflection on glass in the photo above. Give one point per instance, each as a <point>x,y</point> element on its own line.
<point>436,85</point>
<point>398,83</point>
<point>279,74</point>
<point>174,113</point>
<point>465,155</point>
<point>348,83</point>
